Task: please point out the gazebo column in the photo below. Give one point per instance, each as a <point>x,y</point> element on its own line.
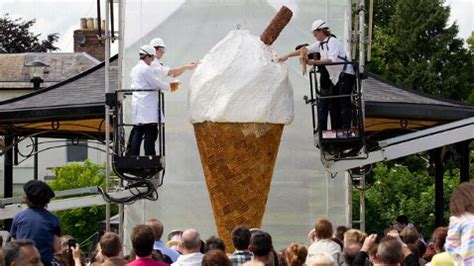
<point>436,158</point>
<point>463,151</point>
<point>8,170</point>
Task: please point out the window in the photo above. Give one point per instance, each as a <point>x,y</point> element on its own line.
<point>76,150</point>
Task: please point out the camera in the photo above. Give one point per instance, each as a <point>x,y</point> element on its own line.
<point>71,243</point>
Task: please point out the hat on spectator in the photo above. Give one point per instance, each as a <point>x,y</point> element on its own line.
<point>38,191</point>
<point>175,234</point>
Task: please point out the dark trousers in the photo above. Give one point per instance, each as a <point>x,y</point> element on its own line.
<point>325,107</point>
<point>150,131</point>
<point>343,105</point>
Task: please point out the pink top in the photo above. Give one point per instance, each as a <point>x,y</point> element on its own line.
<point>146,262</point>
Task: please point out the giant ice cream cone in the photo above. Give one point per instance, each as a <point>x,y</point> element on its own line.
<point>239,101</point>
<point>238,161</point>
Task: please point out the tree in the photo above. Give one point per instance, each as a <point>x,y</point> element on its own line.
<point>470,42</point>
<point>16,37</point>
<point>396,190</point>
<point>415,48</point>
<point>80,222</point>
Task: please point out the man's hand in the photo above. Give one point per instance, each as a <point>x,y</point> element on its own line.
<point>394,233</point>
<point>369,242</point>
<point>191,66</point>
<point>282,58</point>
<point>76,254</point>
<point>312,236</point>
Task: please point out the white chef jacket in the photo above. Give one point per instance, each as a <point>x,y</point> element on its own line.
<point>160,69</point>
<point>145,103</point>
<point>332,49</point>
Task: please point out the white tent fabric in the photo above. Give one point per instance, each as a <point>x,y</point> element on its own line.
<point>300,192</point>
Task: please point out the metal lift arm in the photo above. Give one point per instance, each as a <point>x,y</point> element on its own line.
<point>411,143</point>
<point>11,206</point>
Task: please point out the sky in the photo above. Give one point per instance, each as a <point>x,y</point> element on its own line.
<point>64,16</point>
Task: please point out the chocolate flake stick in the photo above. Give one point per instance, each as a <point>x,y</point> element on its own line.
<point>279,21</point>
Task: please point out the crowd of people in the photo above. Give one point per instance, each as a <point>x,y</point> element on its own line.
<point>36,240</point>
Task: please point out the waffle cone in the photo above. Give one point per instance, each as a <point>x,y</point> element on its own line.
<point>238,161</point>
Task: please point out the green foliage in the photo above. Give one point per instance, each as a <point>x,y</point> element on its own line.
<point>81,222</point>
<point>414,47</point>
<point>396,190</point>
<point>470,42</point>
<point>16,37</point>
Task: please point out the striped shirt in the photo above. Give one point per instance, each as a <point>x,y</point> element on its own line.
<point>460,240</point>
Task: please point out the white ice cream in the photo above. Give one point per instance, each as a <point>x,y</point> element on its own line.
<point>237,81</point>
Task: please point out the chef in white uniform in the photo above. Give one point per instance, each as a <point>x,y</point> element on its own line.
<point>145,103</point>
<point>161,69</point>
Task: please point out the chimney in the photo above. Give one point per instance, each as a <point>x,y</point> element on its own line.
<point>86,39</point>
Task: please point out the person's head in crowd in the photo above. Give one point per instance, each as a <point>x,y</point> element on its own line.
<point>241,237</point>
<point>282,261</point>
<point>175,234</point>
<point>142,240</point>
<point>157,228</point>
<point>340,231</point>
<point>323,229</point>
<point>21,253</point>
<point>37,194</point>
<point>439,238</point>
<point>174,244</point>
<point>261,246</point>
<point>64,246</point>
<point>110,245</point>
<point>402,222</point>
<point>255,230</point>
<point>409,235</point>
<point>214,242</point>
<point>296,254</point>
<point>354,235</point>
<point>372,252</point>
<point>462,199</point>
<point>96,255</point>
<point>191,241</point>
<point>215,257</point>
<point>351,248</point>
<point>321,259</point>
<point>389,251</point>
<point>421,248</point>
<point>64,240</point>
<point>414,250</point>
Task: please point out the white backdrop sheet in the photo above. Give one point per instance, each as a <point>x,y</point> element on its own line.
<point>300,192</point>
